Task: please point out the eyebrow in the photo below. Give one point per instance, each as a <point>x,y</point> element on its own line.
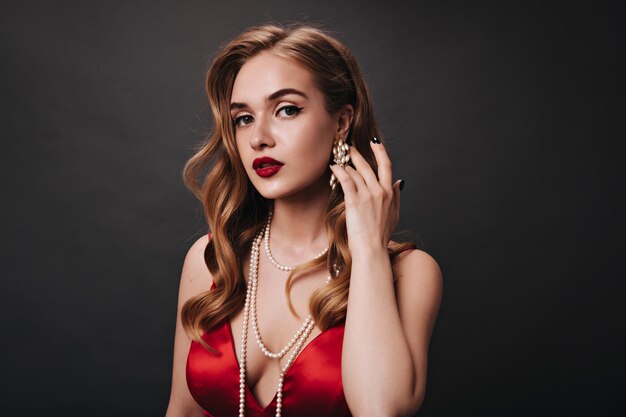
<point>272,97</point>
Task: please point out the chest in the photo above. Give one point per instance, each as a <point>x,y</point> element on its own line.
<point>314,374</point>
<point>276,327</point>
<point>312,385</point>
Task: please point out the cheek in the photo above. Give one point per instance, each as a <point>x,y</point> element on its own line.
<point>244,152</point>
<point>245,159</point>
<point>316,140</point>
<point>317,159</point>
<point>239,143</point>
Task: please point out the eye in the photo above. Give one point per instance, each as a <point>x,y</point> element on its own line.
<point>246,118</point>
<point>290,111</point>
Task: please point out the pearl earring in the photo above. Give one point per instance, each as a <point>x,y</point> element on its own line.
<point>341,156</point>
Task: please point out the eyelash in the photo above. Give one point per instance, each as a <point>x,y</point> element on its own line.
<point>297,109</point>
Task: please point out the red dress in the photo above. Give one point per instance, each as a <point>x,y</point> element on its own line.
<point>312,385</point>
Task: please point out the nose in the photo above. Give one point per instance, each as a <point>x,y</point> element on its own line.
<point>261,135</point>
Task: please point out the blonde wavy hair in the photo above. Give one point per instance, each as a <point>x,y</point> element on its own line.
<point>234,209</point>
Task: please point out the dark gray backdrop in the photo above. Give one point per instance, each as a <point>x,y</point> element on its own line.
<point>505,119</point>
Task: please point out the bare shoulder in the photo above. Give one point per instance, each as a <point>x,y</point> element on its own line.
<point>419,289</point>
<point>417,268</point>
<point>195,277</point>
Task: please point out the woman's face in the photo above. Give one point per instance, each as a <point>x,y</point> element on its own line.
<point>279,113</point>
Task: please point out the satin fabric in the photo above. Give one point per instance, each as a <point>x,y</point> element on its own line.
<point>312,385</point>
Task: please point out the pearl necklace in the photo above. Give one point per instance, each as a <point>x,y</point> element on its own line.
<point>257,334</point>
<point>254,262</point>
<point>269,252</point>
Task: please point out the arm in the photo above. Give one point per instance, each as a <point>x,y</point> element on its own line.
<point>195,278</point>
<point>384,358</point>
<point>387,329</point>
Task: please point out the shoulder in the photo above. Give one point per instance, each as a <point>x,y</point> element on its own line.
<point>417,262</point>
<point>195,277</point>
<point>416,269</point>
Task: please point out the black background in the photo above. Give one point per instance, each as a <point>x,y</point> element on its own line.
<point>506,119</point>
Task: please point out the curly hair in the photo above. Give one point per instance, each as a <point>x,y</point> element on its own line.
<point>234,209</point>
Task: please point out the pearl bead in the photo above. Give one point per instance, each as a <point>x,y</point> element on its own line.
<point>269,253</point>
<point>249,310</point>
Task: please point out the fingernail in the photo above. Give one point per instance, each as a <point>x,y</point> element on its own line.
<point>375,140</point>
<point>401,184</point>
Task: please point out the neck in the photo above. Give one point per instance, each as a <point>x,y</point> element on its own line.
<point>298,227</point>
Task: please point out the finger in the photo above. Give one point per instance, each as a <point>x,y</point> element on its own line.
<point>396,194</point>
<point>347,184</point>
<point>358,180</point>
<point>363,167</point>
<point>384,163</point>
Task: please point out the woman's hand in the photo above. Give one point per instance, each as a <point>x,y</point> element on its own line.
<point>372,205</point>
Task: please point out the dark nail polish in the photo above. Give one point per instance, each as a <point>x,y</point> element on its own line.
<point>401,184</point>
<point>375,140</point>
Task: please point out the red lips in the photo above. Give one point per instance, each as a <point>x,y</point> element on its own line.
<point>266,166</point>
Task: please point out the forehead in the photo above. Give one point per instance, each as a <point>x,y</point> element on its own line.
<point>266,73</point>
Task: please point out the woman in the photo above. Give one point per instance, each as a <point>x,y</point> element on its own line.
<point>297,159</point>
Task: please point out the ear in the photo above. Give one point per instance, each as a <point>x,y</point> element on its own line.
<point>344,120</point>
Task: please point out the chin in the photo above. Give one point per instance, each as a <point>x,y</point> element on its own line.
<point>275,193</point>
<point>270,191</point>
